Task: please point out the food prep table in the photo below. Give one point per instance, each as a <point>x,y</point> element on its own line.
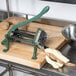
<point>46,70</point>
<point>68,50</point>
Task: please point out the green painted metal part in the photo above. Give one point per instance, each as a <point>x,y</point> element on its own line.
<point>7,40</point>
<point>35,52</point>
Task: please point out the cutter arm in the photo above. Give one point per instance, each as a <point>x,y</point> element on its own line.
<point>45,9</point>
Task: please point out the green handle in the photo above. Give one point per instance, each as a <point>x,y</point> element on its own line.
<point>45,9</point>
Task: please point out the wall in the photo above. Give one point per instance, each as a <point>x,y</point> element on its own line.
<point>58,11</point>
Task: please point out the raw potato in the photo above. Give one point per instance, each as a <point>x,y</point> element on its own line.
<point>12,21</point>
<point>4,25</point>
<point>16,20</point>
<point>58,55</point>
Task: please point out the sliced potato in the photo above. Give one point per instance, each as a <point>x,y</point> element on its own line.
<point>54,64</point>
<point>58,55</point>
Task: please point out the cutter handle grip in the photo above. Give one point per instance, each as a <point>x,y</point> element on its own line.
<point>45,10</point>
